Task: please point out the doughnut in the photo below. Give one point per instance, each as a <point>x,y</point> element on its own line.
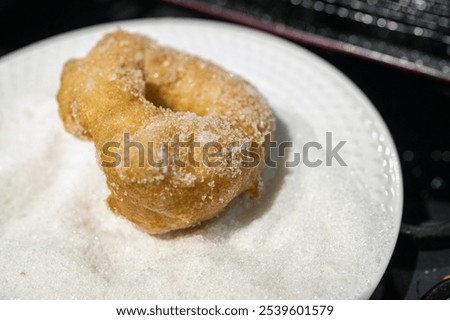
<point>169,129</point>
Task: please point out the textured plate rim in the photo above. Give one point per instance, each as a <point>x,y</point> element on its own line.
<point>328,69</point>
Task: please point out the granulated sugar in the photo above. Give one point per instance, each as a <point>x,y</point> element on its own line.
<point>323,232</point>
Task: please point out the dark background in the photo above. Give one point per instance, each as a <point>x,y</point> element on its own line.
<point>415,108</point>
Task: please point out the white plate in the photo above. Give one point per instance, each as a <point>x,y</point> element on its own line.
<point>325,232</point>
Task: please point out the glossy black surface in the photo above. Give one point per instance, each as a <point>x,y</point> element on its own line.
<point>412,34</point>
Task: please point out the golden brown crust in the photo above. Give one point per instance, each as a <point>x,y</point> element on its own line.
<point>129,84</point>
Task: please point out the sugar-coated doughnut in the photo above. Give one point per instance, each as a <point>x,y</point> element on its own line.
<point>130,89</point>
